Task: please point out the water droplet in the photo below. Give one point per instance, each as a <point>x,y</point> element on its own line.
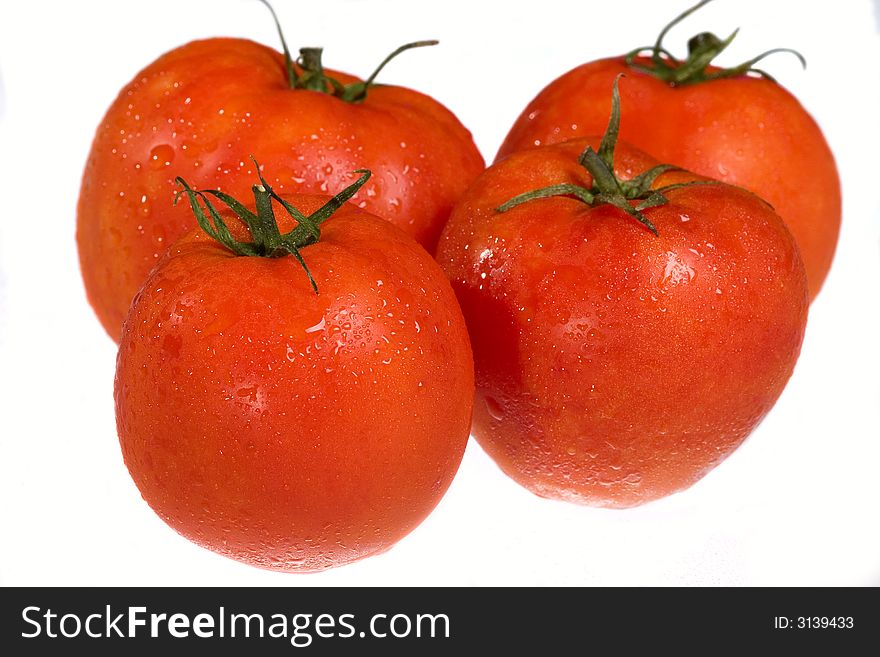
<point>494,408</point>
<point>249,391</point>
<point>161,156</point>
<point>677,271</point>
<point>317,327</point>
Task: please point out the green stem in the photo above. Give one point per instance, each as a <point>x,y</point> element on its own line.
<point>702,50</point>
<point>267,241</point>
<point>606,188</point>
<point>288,60</point>
<point>313,76</point>
<point>357,91</point>
<point>658,46</point>
<point>565,189</point>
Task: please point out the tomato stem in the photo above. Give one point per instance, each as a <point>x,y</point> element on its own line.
<point>606,187</point>
<point>313,77</point>
<point>288,61</point>
<point>702,49</point>
<point>357,91</point>
<point>266,239</point>
<point>311,73</point>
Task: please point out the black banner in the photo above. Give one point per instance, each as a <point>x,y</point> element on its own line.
<point>431,621</point>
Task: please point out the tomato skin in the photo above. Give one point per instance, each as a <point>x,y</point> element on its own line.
<point>202,110</point>
<point>290,430</point>
<point>746,131</point>
<point>613,366</point>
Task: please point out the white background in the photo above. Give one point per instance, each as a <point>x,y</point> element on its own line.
<point>797,504</point>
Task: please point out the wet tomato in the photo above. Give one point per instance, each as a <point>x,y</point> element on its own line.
<point>202,110</point>
<point>727,124</point>
<point>614,365</point>
<point>288,429</point>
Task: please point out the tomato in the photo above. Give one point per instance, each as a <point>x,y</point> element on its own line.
<point>287,429</point>
<point>615,366</point>
<point>725,124</point>
<point>202,110</point>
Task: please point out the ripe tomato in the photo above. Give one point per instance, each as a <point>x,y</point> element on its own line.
<point>725,124</point>
<point>615,366</point>
<point>201,110</point>
<point>288,429</point>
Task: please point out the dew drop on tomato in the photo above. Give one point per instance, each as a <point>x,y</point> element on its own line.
<point>494,408</point>
<point>161,156</point>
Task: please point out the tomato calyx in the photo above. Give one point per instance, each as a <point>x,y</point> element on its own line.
<point>702,49</point>
<point>267,240</point>
<point>314,78</point>
<point>307,72</point>
<point>607,188</point>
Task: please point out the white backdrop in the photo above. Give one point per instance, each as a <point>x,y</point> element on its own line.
<point>798,504</point>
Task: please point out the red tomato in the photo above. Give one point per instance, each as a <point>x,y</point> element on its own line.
<point>615,366</point>
<point>745,130</point>
<point>200,112</point>
<point>287,429</point>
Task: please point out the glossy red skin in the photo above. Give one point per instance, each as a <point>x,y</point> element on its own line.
<point>289,430</point>
<point>746,131</point>
<point>200,112</point>
<point>615,367</point>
